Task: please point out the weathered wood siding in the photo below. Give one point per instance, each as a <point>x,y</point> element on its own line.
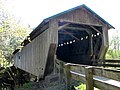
<point>16,59</point>
<point>34,55</point>
<point>80,15</point>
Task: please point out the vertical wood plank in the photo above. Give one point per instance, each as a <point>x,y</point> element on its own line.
<point>61,71</point>
<point>89,78</point>
<point>90,43</point>
<point>68,76</point>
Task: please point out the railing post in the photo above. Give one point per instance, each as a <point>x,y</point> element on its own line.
<point>104,62</point>
<point>61,71</point>
<point>68,76</point>
<point>89,78</point>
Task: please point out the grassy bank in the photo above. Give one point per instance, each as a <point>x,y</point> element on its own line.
<point>25,86</point>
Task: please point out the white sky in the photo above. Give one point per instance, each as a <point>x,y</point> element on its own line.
<point>33,12</point>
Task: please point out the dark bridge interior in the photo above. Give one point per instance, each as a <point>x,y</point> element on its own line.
<point>74,43</point>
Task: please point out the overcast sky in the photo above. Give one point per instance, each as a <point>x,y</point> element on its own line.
<point>33,12</point>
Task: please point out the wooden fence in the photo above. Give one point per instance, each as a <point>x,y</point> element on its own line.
<point>112,63</point>
<point>104,79</point>
<point>108,63</point>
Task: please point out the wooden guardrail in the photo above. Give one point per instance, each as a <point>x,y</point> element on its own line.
<point>105,79</point>
<point>112,63</point>
<point>108,63</point>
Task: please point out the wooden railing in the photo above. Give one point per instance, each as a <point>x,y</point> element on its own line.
<point>112,63</point>
<point>105,79</point>
<point>108,63</point>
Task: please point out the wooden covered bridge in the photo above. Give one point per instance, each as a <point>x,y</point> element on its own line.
<point>77,35</point>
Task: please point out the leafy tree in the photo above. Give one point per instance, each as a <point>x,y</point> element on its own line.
<point>114,47</point>
<point>12,33</point>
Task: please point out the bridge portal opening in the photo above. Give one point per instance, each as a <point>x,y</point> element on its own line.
<point>78,43</point>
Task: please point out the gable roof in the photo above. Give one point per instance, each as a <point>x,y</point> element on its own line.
<point>44,24</point>
<point>45,21</point>
<point>78,7</point>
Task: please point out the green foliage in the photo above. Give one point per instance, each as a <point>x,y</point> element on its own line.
<point>81,87</point>
<point>114,48</point>
<point>12,32</point>
<point>2,59</point>
<point>113,54</point>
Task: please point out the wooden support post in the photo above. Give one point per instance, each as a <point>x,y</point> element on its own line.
<point>104,63</point>
<point>105,43</point>
<point>89,78</point>
<point>90,46</point>
<point>55,58</point>
<point>68,76</point>
<point>61,71</point>
<point>90,43</point>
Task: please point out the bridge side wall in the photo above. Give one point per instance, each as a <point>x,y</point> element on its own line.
<point>33,56</point>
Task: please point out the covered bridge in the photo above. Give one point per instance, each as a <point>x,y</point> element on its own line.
<point>77,35</point>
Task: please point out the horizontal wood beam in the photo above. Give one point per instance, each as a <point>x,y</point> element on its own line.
<point>113,61</point>
<point>106,84</point>
<point>78,76</point>
<point>107,73</point>
<point>73,22</point>
<point>111,65</point>
<point>99,82</point>
<point>78,69</point>
<point>76,28</point>
<point>104,72</point>
<point>66,26</point>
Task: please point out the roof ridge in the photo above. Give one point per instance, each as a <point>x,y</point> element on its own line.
<point>77,7</point>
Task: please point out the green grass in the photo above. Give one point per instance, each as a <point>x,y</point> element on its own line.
<point>25,86</point>
<point>81,87</point>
